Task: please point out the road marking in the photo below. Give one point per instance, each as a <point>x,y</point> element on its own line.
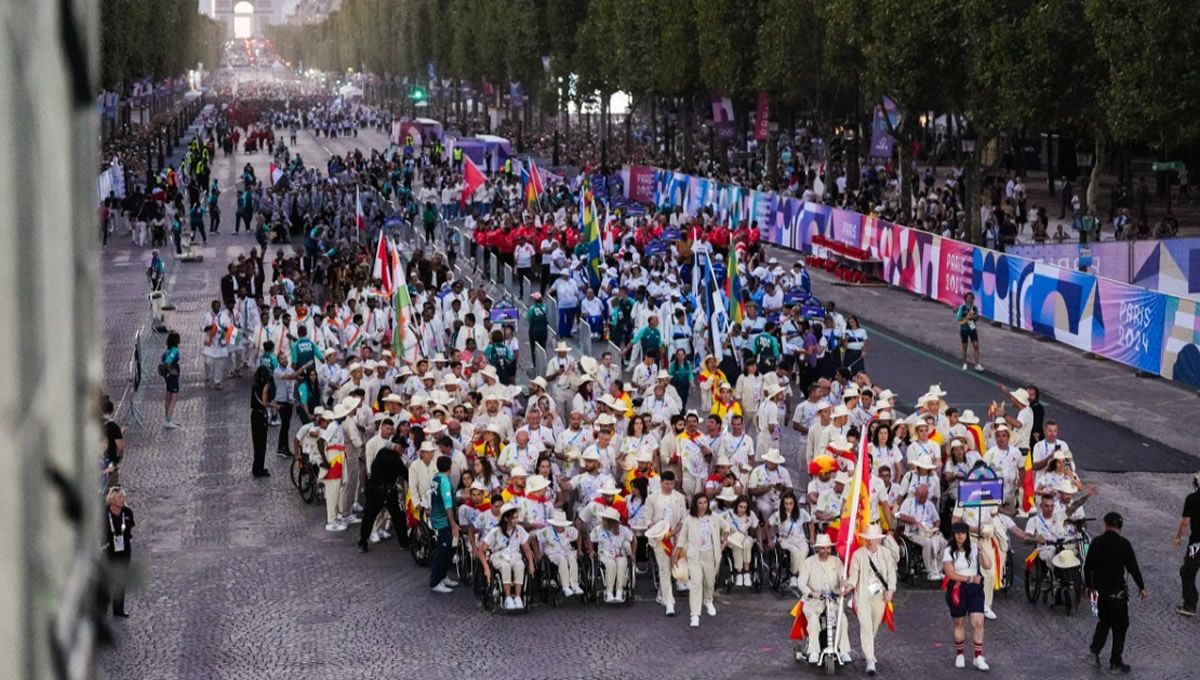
<point>952,365</point>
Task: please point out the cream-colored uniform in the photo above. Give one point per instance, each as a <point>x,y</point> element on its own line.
<point>766,421</point>
<point>702,540</point>
<point>997,544</point>
<point>869,592</point>
<point>817,577</point>
<point>672,508</point>
<point>353,471</point>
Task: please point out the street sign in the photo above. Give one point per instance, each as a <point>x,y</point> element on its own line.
<point>1167,166</point>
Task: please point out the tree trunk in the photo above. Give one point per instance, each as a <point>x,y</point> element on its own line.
<point>629,132</point>
<point>902,184</point>
<point>1093,190</point>
<point>688,133</point>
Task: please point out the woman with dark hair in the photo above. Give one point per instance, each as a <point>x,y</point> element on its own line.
<point>502,549</point>
<point>788,530</point>
<point>961,564</point>
<point>702,540</point>
<point>170,368</point>
<point>308,396</point>
<point>262,400</point>
<point>856,346</point>
<point>486,474</point>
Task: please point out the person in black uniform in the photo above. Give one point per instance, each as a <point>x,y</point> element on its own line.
<point>118,538</point>
<point>386,469</point>
<point>1110,556</point>
<point>1191,557</point>
<point>262,399</point>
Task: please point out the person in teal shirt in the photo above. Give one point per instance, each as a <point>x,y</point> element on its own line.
<point>682,373</point>
<point>441,518</point>
<point>305,353</point>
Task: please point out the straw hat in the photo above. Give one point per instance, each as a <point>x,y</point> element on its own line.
<point>773,456</point>
<point>850,392</point>
<point>605,419</point>
<point>539,381</point>
<point>924,462</point>
<point>562,346</point>
<point>1065,486</point>
<point>536,483</point>
<point>823,541</point>
<point>841,478</point>
<point>518,471</point>
<point>936,390</point>
<point>590,454</point>
<point>885,395</point>
<point>393,399</point>
<point>727,494</point>
<point>495,429</point>
<point>840,411</point>
<point>608,488</point>
<point>968,416</point>
<point>478,485</point>
<point>644,456</point>
<point>340,411</point>
<point>872,533</point>
<point>589,365</point>
<point>1020,395</point>
<point>508,507</point>
<point>559,519</point>
<point>774,390</point>
<point>429,446</point>
<point>1065,559</point>
<point>434,427</point>
<point>610,513</point>
<point>658,530</point>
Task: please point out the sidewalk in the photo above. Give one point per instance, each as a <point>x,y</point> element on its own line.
<point>1151,407</point>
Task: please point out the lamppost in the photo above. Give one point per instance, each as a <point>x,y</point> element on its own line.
<point>851,151</point>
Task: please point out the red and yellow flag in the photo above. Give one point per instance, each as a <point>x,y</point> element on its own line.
<point>799,622</point>
<point>889,611</point>
<point>1027,483</point>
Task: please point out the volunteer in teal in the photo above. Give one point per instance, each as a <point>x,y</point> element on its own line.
<point>169,369</point>
<point>442,517</point>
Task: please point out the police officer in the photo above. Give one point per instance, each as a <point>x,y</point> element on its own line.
<point>1110,556</point>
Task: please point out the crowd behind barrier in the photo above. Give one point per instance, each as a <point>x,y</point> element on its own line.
<point>1154,332</point>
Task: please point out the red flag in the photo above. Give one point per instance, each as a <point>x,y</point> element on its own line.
<point>383,266</point>
<point>856,514</point>
<point>359,218</point>
<point>799,623</point>
<point>474,178</point>
<point>889,616</point>
<point>535,179</point>
<point>1027,484</point>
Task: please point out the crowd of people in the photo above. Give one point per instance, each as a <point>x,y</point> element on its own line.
<point>662,456</point>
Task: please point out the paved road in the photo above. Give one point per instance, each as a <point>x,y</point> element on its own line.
<point>239,580</point>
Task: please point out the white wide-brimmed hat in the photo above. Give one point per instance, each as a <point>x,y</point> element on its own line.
<point>1065,559</point>
<point>773,456</point>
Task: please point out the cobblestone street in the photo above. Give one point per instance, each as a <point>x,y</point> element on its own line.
<point>238,579</point>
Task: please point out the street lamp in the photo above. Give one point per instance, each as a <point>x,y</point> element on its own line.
<point>1083,159</point>
<point>968,143</point>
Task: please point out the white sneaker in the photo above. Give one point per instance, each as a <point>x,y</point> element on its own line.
<point>694,622</point>
<point>578,590</point>
<point>170,424</point>
<point>979,367</point>
<point>609,598</point>
<point>442,588</point>
<point>680,587</point>
<point>933,576</point>
<point>567,592</point>
<point>981,663</point>
<point>670,610</point>
<point>746,580</point>
<point>710,609</point>
<point>385,534</point>
<point>844,657</point>
<point>336,526</point>
<point>871,667</point>
<point>658,599</point>
<point>814,658</point>
<point>989,614</point>
<point>449,582</point>
<point>356,508</point>
<point>375,537</point>
<point>352,519</point>
<point>518,603</point>
<point>621,597</point>
<point>793,582</point>
<point>965,367</point>
<point>960,661</point>
<point>508,603</point>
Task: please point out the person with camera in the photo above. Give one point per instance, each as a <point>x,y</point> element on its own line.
<point>967,316</point>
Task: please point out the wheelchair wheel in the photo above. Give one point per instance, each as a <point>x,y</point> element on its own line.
<point>1033,581</point>
<point>904,567</point>
<point>549,582</point>
<point>725,573</point>
<point>593,583</point>
<point>420,542</point>
<point>757,577</point>
<point>1007,579</point>
<point>630,583</point>
<point>773,568</point>
<point>465,562</point>
<point>295,472</point>
<point>493,595</point>
<point>306,483</point>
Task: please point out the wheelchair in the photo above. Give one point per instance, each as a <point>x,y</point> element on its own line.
<point>421,542</point>
<point>492,596</point>
<point>910,568</point>
<point>591,577</point>
<point>1054,586</point>
<point>464,560</point>
<point>776,568</point>
<point>725,572</point>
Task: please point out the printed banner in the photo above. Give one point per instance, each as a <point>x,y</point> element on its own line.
<point>955,271</point>
<point>1127,325</point>
<point>722,110</point>
<point>640,184</point>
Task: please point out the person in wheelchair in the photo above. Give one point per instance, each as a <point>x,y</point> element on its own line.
<point>557,543</point>
<point>502,549</point>
<point>614,545</point>
<point>744,524</point>
<point>788,531</point>
<point>476,504</point>
<point>919,517</point>
<point>820,581</point>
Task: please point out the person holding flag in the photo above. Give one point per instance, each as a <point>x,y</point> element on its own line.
<point>820,579</point>
<point>872,578</point>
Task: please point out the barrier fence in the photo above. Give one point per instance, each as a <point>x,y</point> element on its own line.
<point>1151,331</point>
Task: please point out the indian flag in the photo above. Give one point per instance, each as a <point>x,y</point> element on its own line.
<point>404,343</point>
<point>231,335</point>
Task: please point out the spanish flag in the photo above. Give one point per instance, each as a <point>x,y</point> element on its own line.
<point>997,564</point>
<point>889,616</point>
<point>1027,483</point>
<point>336,457</point>
<point>799,622</point>
<point>411,511</point>
<point>1030,558</point>
<point>976,434</point>
<point>668,544</point>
